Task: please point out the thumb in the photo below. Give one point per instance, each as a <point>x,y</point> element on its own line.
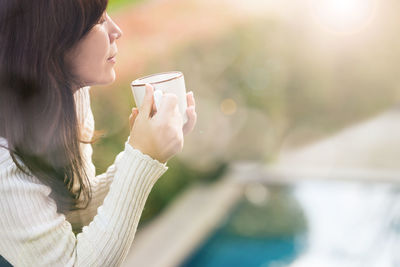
<point>147,104</point>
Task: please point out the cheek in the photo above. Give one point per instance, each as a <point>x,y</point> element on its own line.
<point>90,61</point>
<point>96,52</point>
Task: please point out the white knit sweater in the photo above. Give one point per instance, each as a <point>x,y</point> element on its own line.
<point>32,233</point>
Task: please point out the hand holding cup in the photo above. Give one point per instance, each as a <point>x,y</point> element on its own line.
<point>160,136</point>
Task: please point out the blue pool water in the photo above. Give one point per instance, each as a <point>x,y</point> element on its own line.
<point>226,250</point>
<point>311,224</point>
<point>254,234</point>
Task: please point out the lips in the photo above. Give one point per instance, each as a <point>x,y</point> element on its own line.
<point>113,56</point>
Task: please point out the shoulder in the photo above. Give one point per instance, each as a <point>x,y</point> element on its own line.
<point>16,184</point>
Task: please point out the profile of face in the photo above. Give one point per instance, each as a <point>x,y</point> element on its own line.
<point>93,58</point>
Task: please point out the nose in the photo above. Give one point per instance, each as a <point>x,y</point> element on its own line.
<point>115,31</point>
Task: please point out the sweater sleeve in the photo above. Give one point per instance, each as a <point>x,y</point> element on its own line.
<point>32,233</point>
<point>99,184</point>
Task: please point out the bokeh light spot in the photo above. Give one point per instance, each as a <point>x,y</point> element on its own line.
<point>228,106</point>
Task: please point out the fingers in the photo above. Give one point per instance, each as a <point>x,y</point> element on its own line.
<point>169,103</point>
<point>148,101</point>
<point>192,119</point>
<point>190,99</point>
<point>169,107</point>
<point>154,110</point>
<point>191,114</point>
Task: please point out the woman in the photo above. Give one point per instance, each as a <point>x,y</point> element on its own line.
<point>54,211</point>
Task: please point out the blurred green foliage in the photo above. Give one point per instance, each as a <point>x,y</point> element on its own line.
<point>115,5</point>
<point>173,182</point>
<point>280,215</point>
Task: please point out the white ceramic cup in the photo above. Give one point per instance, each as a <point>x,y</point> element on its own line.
<point>165,82</point>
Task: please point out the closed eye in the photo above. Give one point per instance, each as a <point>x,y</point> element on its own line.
<point>102,19</point>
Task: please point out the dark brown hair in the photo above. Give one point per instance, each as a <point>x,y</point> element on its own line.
<point>37,108</point>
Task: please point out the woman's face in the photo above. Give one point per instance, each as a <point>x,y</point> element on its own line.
<point>93,58</point>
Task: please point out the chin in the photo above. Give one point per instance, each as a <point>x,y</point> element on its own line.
<point>109,79</point>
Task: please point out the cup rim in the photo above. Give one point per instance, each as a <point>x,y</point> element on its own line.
<point>180,74</point>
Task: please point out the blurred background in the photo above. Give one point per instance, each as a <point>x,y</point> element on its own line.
<point>294,158</point>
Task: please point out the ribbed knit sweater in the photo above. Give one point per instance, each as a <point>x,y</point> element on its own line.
<point>33,233</point>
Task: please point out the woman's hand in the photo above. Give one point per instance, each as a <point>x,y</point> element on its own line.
<point>159,136</point>
<point>191,114</point>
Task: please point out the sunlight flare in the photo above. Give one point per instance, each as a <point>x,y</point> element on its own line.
<point>343,16</point>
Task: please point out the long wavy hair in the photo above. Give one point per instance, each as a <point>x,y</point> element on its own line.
<point>37,108</point>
